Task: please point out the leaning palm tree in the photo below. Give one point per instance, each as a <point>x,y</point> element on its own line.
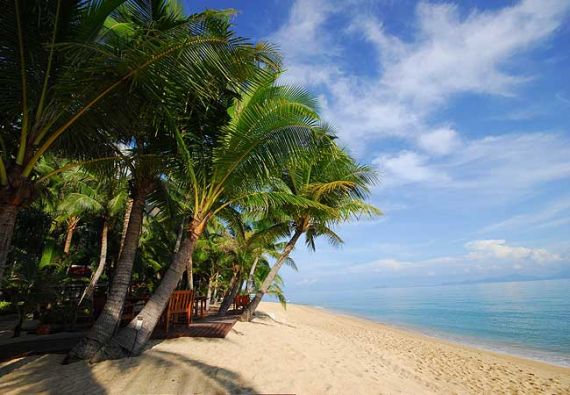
<point>67,66</point>
<point>268,126</point>
<point>336,182</point>
<point>248,248</point>
<point>193,79</point>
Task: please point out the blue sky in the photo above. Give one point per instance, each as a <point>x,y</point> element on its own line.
<point>463,107</point>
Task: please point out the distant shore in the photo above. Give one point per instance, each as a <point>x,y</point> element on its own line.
<point>302,350</point>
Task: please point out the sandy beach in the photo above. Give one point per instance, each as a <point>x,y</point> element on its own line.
<point>302,350</point>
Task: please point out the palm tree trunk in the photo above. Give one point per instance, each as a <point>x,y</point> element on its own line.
<point>102,261</point>
<point>125,224</point>
<point>189,272</point>
<point>8,215</point>
<point>250,279</point>
<point>71,226</point>
<point>110,317</point>
<point>232,293</point>
<point>130,340</point>
<point>248,312</point>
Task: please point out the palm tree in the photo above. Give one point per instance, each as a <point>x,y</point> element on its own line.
<point>335,181</point>
<point>109,200</point>
<point>57,197</point>
<point>249,248</point>
<point>68,66</point>
<point>148,136</point>
<point>89,193</point>
<point>268,126</point>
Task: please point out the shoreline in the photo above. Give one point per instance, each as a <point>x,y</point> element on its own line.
<point>302,350</point>
<point>453,339</point>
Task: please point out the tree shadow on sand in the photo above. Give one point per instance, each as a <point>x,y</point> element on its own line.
<point>36,374</point>
<point>156,371</point>
<point>184,375</point>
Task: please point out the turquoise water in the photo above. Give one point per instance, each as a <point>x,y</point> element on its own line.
<point>530,319</point>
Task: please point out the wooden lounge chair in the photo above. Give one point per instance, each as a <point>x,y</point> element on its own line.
<point>241,301</point>
<point>180,303</point>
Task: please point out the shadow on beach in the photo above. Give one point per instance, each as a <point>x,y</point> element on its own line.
<point>155,371</point>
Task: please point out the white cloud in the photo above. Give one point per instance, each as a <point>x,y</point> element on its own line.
<point>407,167</point>
<point>453,54</point>
<point>482,257</point>
<point>503,166</point>
<point>380,265</point>
<point>301,35</point>
<point>440,141</point>
<point>449,54</point>
<point>499,249</point>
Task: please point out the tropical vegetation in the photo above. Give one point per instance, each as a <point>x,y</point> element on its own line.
<point>137,144</point>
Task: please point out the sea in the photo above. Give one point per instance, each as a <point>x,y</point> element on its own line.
<point>529,319</point>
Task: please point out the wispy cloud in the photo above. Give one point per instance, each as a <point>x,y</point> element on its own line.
<point>409,167</point>
<point>452,54</point>
<point>505,165</point>
<point>482,258</point>
<point>554,214</point>
<point>448,55</point>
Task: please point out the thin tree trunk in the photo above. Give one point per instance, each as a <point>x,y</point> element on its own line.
<point>250,279</point>
<point>125,224</point>
<point>209,292</point>
<point>130,340</point>
<point>215,294</point>
<point>110,317</point>
<point>71,226</point>
<point>100,267</point>
<point>190,274</point>
<point>231,294</point>
<point>179,235</point>
<point>8,215</point>
<point>248,312</point>
<point>18,327</point>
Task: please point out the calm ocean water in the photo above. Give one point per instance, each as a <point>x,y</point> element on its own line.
<point>530,319</point>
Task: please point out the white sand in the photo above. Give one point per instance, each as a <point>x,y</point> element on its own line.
<point>305,351</point>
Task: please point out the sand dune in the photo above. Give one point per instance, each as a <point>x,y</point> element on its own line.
<point>304,351</point>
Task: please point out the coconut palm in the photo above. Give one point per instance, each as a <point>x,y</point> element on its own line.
<point>268,126</point>
<point>250,249</point>
<point>57,197</point>
<point>68,65</point>
<point>108,199</point>
<point>335,181</point>
<point>102,195</point>
<point>148,136</point>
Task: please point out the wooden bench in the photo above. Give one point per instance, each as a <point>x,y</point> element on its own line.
<point>180,303</point>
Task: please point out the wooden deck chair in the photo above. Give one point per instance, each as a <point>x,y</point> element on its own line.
<point>241,301</point>
<point>180,302</point>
